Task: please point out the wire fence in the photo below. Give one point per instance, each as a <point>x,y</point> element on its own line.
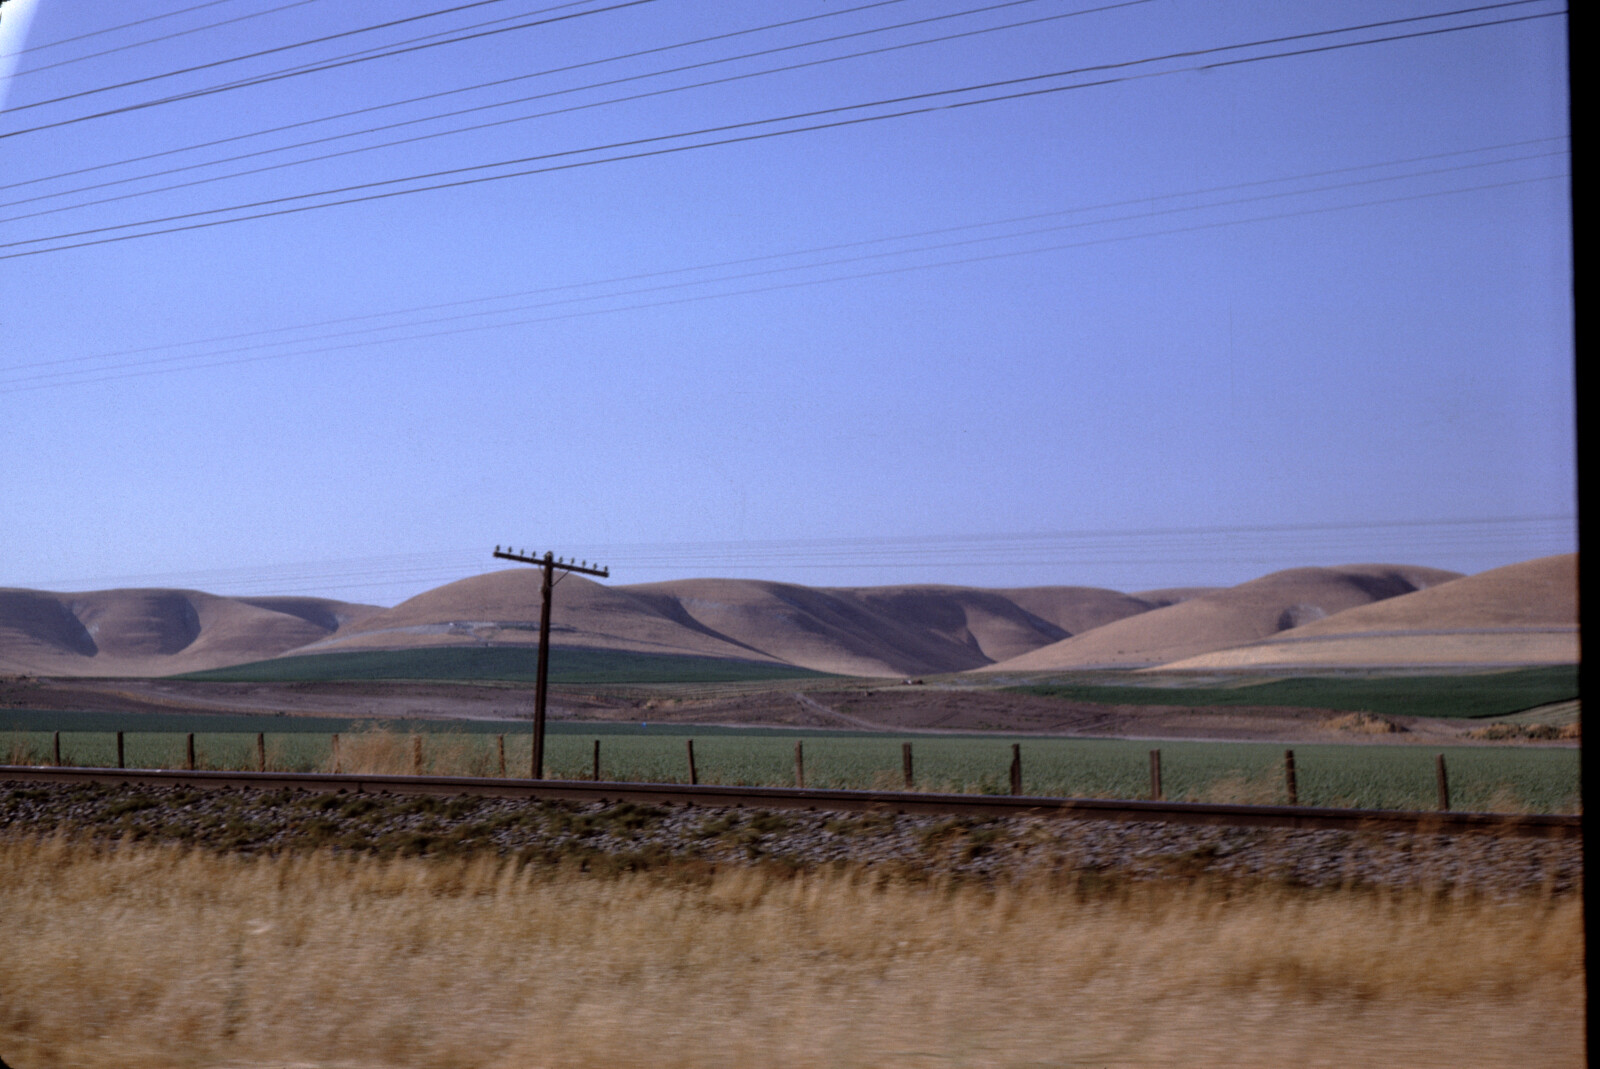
<point>1483,778</point>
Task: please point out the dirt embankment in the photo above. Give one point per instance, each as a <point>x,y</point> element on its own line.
<point>839,707</point>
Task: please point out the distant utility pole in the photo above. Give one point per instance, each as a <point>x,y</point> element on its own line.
<point>549,563</point>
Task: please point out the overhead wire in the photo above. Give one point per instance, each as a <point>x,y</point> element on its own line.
<point>258,54</point>
<point>1136,546</point>
<point>560,111</point>
<point>1232,545</point>
<point>158,40</point>
<point>361,57</point>
<point>114,29</point>
<point>27,383</point>
<point>452,92</point>
<point>814,250</point>
<point>1484,538</point>
<point>728,128</point>
<point>938,231</point>
<point>456,34</point>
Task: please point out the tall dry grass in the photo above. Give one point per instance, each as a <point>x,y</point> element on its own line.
<point>143,957</point>
<point>380,750</point>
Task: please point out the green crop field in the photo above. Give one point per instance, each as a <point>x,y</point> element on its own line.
<point>503,663</point>
<point>1537,779</point>
<point>1477,694</point>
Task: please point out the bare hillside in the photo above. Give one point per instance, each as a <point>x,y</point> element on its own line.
<point>1523,613</point>
<point>155,632</point>
<point>875,631</point>
<point>502,608</point>
<point>1354,615</point>
<point>1230,617</point>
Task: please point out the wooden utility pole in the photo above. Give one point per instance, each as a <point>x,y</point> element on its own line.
<point>548,564</point>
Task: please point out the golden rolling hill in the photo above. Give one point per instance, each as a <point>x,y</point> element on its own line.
<point>1521,614</point>
<point>1353,615</point>
<point>1229,617</point>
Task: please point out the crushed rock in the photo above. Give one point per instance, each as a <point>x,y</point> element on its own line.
<point>626,836</point>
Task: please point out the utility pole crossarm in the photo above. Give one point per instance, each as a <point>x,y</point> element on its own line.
<point>565,565</point>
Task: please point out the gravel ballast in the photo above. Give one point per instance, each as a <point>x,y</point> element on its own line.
<point>625,836</point>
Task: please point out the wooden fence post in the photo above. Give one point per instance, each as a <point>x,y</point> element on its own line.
<point>261,751</point>
<point>1444,784</point>
<point>799,766</point>
<point>500,746</point>
<point>120,763</point>
<point>1156,794</point>
<point>188,753</point>
<point>694,777</point>
<point>57,749</point>
<point>416,755</point>
<point>338,766</point>
<point>597,760</point>
<point>1016,768</point>
<point>1288,777</point>
<point>905,760</point>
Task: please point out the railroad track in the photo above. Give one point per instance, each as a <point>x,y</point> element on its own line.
<point>1543,826</point>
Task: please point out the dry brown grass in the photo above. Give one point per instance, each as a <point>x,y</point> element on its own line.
<point>1239,789</point>
<point>1364,724</point>
<point>1500,731</point>
<point>380,750</point>
<point>145,957</point>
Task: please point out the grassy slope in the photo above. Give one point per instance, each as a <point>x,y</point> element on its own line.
<point>508,663</point>
<point>1475,695</point>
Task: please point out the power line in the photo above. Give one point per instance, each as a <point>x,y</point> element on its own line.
<point>213,64</point>
<point>546,114</point>
<point>452,92</point>
<point>1484,537</point>
<point>13,388</point>
<point>727,128</point>
<point>765,257</point>
<point>366,55</point>
<point>369,54</point>
<point>383,51</point>
<point>157,40</point>
<point>114,29</point>
<point>360,57</point>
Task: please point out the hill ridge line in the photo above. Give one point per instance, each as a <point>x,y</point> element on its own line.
<point>1383,614</point>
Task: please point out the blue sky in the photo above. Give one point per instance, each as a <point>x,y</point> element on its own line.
<point>1185,327</point>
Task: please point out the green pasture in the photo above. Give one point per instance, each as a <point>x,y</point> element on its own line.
<point>1479,694</point>
<point>503,663</point>
<point>1363,776</point>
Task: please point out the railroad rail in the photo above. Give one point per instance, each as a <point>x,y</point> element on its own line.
<point>1543,826</point>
